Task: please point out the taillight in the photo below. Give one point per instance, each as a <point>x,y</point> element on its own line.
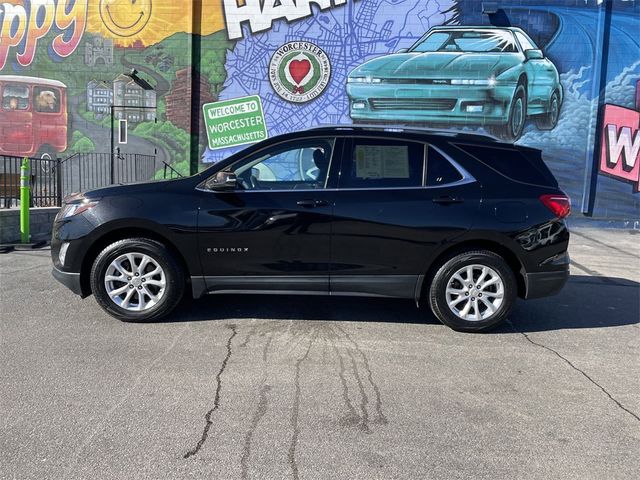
<point>560,205</point>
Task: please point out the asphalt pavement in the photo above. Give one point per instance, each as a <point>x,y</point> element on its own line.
<point>244,387</point>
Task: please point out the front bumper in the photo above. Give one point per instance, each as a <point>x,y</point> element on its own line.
<point>432,103</point>
<point>69,279</point>
<point>545,284</point>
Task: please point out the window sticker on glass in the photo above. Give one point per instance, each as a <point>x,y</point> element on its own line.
<point>382,161</point>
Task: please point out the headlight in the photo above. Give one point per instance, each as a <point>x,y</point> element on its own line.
<point>489,82</point>
<point>363,80</point>
<point>72,209</point>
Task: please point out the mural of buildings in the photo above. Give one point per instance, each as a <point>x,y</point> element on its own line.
<point>133,100</point>
<point>180,94</point>
<point>99,97</point>
<point>98,51</point>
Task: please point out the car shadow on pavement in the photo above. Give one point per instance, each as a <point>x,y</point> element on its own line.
<point>585,302</point>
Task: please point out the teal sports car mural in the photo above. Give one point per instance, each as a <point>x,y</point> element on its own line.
<point>492,77</point>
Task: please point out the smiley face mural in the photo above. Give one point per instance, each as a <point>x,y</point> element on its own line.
<point>125,18</point>
<point>146,22</point>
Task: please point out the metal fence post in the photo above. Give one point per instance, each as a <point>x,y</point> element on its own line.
<point>59,182</point>
<point>24,200</point>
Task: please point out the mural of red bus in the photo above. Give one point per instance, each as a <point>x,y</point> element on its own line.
<point>33,116</point>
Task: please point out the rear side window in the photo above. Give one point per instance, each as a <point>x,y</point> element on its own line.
<point>522,166</point>
<point>383,164</point>
<point>439,170</point>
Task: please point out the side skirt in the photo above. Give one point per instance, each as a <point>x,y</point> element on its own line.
<point>392,286</point>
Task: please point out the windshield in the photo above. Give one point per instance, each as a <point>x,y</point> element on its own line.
<point>501,41</point>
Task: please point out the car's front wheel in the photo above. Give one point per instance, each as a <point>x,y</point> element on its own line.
<point>137,279</point>
<point>512,130</point>
<point>473,291</point>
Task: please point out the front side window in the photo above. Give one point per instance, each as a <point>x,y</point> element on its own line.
<point>383,164</point>
<point>15,97</point>
<point>469,41</point>
<point>300,166</point>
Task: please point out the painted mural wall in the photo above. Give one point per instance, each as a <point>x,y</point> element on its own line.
<point>528,73</point>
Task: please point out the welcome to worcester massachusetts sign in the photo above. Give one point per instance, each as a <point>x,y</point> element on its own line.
<point>234,122</point>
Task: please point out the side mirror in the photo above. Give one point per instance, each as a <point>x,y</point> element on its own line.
<point>402,50</point>
<point>222,181</point>
<point>533,54</point>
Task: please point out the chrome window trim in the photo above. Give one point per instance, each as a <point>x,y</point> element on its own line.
<point>466,176</point>
<point>466,179</point>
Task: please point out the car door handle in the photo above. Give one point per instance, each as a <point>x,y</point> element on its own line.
<point>309,203</point>
<point>447,200</point>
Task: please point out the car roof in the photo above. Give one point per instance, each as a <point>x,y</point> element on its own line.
<point>473,27</point>
<point>400,131</point>
<point>34,80</point>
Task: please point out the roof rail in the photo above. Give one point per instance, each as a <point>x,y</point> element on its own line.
<point>403,128</point>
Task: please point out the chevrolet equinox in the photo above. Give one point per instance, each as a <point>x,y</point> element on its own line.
<point>462,222</point>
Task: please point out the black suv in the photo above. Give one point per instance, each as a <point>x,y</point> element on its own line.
<point>462,222</point>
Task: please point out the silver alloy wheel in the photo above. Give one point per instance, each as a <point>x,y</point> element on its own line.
<point>135,281</point>
<point>475,292</point>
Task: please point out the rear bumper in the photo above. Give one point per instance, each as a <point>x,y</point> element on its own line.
<point>545,284</point>
<point>69,279</point>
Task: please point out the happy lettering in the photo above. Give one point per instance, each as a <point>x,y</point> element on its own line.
<point>21,27</point>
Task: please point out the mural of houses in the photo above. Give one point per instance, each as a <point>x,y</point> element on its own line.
<point>134,99</point>
<point>99,98</point>
<point>98,50</point>
<point>180,93</point>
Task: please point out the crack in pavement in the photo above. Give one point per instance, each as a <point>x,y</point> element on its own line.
<point>558,354</point>
<point>352,417</point>
<point>382,419</point>
<point>216,400</point>
<point>295,411</point>
<point>261,411</point>
<point>263,404</point>
<point>364,399</point>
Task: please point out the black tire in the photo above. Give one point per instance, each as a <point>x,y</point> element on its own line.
<point>548,120</point>
<point>159,253</point>
<point>438,297</point>
<point>514,127</point>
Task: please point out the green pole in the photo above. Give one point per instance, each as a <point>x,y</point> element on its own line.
<point>24,201</point>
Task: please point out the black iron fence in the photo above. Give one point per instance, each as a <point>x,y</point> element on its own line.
<point>43,180</point>
<point>52,179</point>
<point>86,171</point>
<point>170,172</point>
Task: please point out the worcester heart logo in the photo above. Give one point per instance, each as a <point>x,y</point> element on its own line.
<point>299,71</point>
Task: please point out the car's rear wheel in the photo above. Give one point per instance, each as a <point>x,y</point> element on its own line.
<point>137,279</point>
<point>549,120</point>
<point>473,291</point>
